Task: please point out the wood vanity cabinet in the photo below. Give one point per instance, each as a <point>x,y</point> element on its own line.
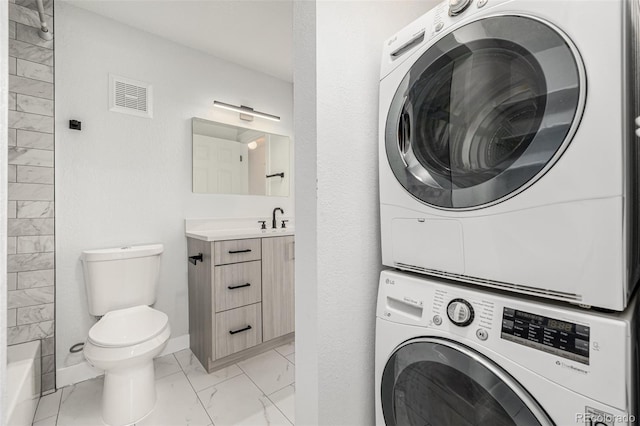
<point>277,287</point>
<point>241,297</point>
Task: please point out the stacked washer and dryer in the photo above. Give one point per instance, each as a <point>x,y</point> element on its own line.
<point>510,210</point>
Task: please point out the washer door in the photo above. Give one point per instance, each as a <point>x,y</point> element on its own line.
<point>437,382</point>
<point>484,112</point>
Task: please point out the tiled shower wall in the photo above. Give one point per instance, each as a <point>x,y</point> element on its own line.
<point>30,264</point>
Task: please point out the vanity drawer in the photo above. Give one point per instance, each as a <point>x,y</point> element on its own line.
<point>238,329</point>
<point>237,284</point>
<point>233,251</point>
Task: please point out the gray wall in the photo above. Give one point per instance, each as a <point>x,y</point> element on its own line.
<point>30,236</point>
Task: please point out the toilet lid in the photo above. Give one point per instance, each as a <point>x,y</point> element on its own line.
<point>130,326</point>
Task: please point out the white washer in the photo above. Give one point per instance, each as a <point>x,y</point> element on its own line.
<point>507,148</point>
<point>456,355</point>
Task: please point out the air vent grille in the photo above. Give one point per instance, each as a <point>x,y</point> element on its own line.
<point>496,284</point>
<point>130,96</point>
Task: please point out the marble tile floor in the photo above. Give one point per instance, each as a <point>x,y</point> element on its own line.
<point>258,391</point>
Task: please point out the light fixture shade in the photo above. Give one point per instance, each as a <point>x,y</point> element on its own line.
<point>245,110</point>
<point>252,145</point>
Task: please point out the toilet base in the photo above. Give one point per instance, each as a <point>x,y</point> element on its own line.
<point>129,394</point>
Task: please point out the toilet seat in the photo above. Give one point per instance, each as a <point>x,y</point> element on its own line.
<point>127,327</point>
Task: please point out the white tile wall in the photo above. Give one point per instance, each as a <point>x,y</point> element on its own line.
<point>12,101</point>
<point>32,104</point>
<point>12,66</point>
<point>13,173</point>
<point>30,157</point>
<point>12,30</point>
<point>34,314</point>
<point>34,70</point>
<point>26,34</point>
<point>30,297</point>
<point>35,174</point>
<point>13,136</point>
<point>35,244</point>
<point>33,122</point>
<point>32,279</point>
<point>19,226</point>
<point>34,209</point>
<point>30,228</point>
<point>12,279</point>
<point>27,86</point>
<point>21,50</point>
<point>30,191</point>
<point>27,139</point>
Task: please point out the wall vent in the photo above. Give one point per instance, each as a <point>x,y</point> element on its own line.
<point>129,96</point>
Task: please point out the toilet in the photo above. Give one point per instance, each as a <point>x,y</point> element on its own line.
<point>121,283</point>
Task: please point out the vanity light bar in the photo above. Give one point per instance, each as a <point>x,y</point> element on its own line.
<point>245,110</point>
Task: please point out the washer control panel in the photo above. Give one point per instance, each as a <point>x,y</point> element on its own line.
<point>460,312</point>
<point>456,7</point>
<point>555,336</point>
<point>456,313</point>
<point>406,300</point>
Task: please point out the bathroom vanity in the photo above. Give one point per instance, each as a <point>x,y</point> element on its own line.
<point>241,293</point>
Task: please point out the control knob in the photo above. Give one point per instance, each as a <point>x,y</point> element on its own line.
<point>460,312</point>
<point>456,7</point>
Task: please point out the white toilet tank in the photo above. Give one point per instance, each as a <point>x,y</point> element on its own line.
<point>121,277</point>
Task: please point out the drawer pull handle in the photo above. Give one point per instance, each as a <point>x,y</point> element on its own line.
<point>233,287</point>
<point>239,251</point>
<point>241,330</point>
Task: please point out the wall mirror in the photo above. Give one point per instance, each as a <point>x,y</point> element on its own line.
<point>234,160</point>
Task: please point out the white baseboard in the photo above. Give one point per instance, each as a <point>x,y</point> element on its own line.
<point>83,371</point>
<point>75,374</point>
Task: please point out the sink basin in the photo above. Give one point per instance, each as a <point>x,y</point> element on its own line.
<point>226,234</point>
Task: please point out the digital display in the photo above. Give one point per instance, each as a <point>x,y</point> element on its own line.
<point>559,325</point>
<point>561,338</point>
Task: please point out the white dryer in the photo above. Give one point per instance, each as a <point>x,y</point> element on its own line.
<point>453,355</point>
<point>507,148</point>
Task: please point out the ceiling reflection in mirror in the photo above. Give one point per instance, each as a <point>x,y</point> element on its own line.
<point>229,159</point>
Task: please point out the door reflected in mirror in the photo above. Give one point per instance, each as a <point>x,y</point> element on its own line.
<point>234,160</point>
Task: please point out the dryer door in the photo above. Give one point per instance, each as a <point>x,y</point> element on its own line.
<point>433,381</point>
<point>484,112</point>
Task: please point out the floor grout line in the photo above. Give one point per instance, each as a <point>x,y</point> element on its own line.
<point>267,396</point>
<point>200,401</point>
<point>276,405</point>
<point>261,390</point>
<point>59,407</point>
<point>194,389</point>
<point>207,373</point>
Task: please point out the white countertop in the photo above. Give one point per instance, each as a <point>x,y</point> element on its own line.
<point>239,233</point>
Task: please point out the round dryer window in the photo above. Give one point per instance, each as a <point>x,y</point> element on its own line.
<point>438,382</point>
<point>484,112</point>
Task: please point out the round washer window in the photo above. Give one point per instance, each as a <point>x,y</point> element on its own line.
<point>437,382</point>
<point>483,112</point>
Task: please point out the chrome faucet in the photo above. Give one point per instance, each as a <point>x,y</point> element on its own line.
<point>273,220</point>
